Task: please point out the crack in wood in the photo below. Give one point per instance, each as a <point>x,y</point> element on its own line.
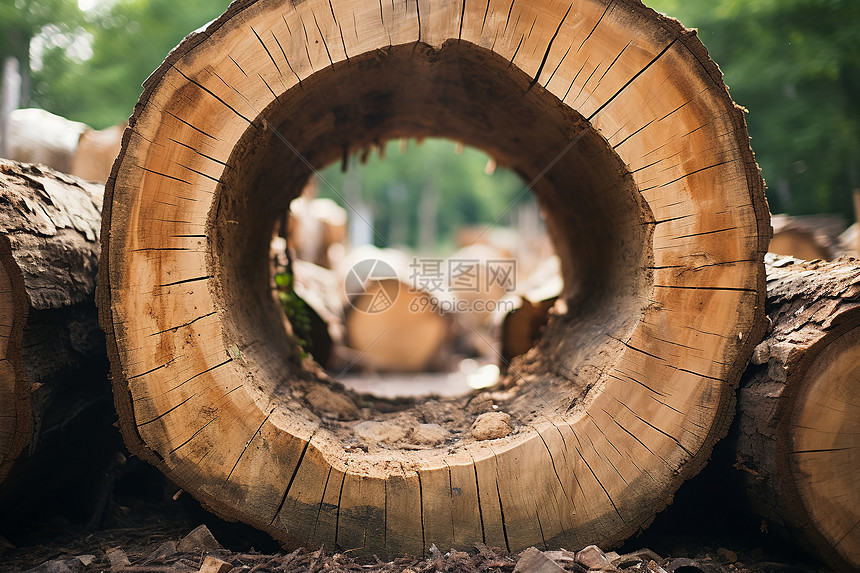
<point>189,323</point>
<point>421,510</point>
<point>202,373</point>
<point>337,516</point>
<point>284,54</point>
<point>313,532</point>
<point>605,491</point>
<point>548,49</point>
<point>163,414</point>
<point>194,127</point>
<point>211,93</point>
<point>198,152</point>
<point>633,79</point>
<point>293,478</point>
<point>610,6</point>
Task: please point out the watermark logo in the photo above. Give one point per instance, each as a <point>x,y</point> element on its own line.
<point>458,275</point>
<point>442,285</point>
<point>371,286</point>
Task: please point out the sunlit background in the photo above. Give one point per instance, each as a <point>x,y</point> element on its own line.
<point>794,64</point>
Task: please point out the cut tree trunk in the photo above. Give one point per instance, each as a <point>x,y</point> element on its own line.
<point>49,225</point>
<point>391,322</point>
<point>392,328</point>
<point>96,152</point>
<point>799,409</point>
<point>654,203</point>
<point>805,237</point>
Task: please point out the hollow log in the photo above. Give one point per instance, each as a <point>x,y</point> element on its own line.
<point>49,226</point>
<point>799,412</point>
<point>655,206</point>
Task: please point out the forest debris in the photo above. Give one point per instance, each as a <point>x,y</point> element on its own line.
<point>199,539</point>
<point>491,425</point>
<point>214,565</point>
<point>688,564</point>
<point>628,559</point>
<point>162,552</point>
<point>594,558</point>
<point>117,558</point>
<point>563,557</point>
<point>72,565</point>
<point>533,560</point>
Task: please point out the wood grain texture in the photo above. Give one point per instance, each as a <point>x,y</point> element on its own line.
<point>799,410</point>
<point>656,210</point>
<point>49,228</point>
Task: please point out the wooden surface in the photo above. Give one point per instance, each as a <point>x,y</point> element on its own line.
<point>49,226</point>
<point>654,203</point>
<point>799,408</point>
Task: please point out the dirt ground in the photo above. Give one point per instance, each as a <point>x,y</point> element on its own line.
<point>143,529</point>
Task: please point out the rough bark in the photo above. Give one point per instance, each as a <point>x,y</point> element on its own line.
<point>49,228</point>
<point>799,412</point>
<point>653,199</point>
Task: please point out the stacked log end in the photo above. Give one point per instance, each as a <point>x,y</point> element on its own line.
<point>799,409</point>
<point>49,229</point>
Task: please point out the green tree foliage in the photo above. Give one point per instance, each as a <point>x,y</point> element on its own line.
<point>795,65</point>
<point>130,38</point>
<point>395,187</point>
<point>22,20</point>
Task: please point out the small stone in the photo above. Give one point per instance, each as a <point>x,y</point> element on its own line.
<point>214,565</point>
<point>430,434</point>
<point>491,425</point>
<point>200,539</point>
<point>385,432</point>
<point>533,560</point>
<point>117,558</point>
<point>86,560</point>
<point>729,555</point>
<point>594,558</point>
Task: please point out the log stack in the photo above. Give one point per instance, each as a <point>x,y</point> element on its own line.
<point>655,206</point>
<point>799,409</point>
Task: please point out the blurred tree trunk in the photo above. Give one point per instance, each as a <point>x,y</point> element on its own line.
<point>10,98</point>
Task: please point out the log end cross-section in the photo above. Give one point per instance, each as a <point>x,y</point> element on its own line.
<point>656,209</point>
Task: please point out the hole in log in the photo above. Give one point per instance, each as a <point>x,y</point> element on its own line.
<point>595,217</point>
<point>656,210</point>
